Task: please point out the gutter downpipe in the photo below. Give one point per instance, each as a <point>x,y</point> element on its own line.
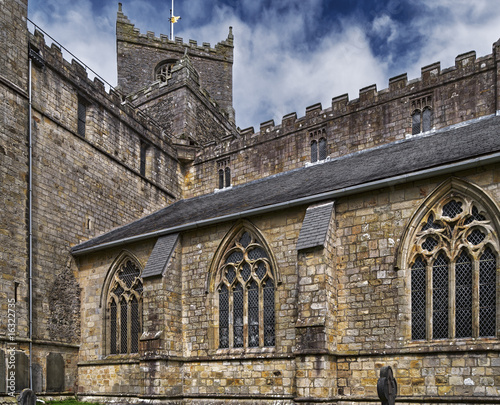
<point>30,229</point>
<point>391,181</point>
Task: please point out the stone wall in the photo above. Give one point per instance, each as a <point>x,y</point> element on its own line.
<point>459,93</point>
<point>82,187</point>
<point>341,314</point>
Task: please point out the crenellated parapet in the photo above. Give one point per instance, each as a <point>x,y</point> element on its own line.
<point>95,90</point>
<point>465,91</point>
<point>180,103</point>
<point>127,31</point>
<point>432,78</point>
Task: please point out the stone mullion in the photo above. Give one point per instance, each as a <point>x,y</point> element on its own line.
<point>230,329</point>
<point>451,300</point>
<point>261,313</point>
<point>118,327</point>
<point>475,296</point>
<point>245,314</point>
<point>428,309</point>
<point>129,324</point>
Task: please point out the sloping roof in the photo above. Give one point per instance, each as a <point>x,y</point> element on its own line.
<point>470,140</point>
<point>315,226</point>
<point>160,256</point>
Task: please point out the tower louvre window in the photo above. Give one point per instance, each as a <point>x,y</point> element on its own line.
<point>163,70</point>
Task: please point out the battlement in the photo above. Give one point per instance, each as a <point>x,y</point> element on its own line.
<point>93,89</point>
<point>127,31</point>
<point>399,88</point>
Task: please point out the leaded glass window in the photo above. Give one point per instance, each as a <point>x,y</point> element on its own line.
<point>319,145</point>
<point>418,299</point>
<point>314,151</point>
<point>421,116</point>
<point>487,294</point>
<point>125,309</point>
<point>246,294</point>
<point>426,119</point>
<point>463,296</point>
<point>454,273</point>
<point>440,297</point>
<point>322,149</point>
<point>82,116</point>
<point>415,123</point>
<point>227,177</point>
<point>224,173</point>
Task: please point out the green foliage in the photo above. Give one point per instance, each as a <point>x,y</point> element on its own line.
<point>70,401</point>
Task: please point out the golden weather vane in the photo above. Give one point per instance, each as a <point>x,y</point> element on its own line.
<point>173,19</point>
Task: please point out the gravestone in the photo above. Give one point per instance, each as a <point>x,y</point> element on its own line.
<point>37,378</point>
<point>27,397</point>
<point>387,387</point>
<point>55,372</point>
<point>22,371</point>
<point>3,376</point>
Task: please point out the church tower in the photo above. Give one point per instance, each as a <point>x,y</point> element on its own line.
<point>144,59</point>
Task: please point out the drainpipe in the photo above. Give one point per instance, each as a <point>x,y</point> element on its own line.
<point>33,57</point>
<point>30,228</point>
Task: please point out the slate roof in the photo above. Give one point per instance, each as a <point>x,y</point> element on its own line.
<point>315,226</point>
<point>472,139</point>
<point>160,256</point>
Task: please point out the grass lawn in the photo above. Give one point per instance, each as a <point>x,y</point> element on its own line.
<point>70,401</point>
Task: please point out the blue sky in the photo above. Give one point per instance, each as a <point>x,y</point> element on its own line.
<point>289,54</point>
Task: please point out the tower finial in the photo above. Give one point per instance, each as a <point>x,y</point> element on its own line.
<point>173,19</point>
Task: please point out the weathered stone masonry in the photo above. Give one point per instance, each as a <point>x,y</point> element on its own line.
<point>132,175</point>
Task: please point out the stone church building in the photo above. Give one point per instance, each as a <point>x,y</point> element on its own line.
<point>153,252</point>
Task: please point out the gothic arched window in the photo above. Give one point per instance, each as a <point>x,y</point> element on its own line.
<point>245,287</point>
<point>163,70</point>
<point>421,116</point>
<point>319,145</point>
<point>124,307</point>
<point>453,272</point>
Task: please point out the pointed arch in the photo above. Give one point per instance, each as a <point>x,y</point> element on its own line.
<point>238,229</point>
<point>451,239</point>
<point>163,70</point>
<point>121,300</point>
<point>242,284</point>
<point>438,198</point>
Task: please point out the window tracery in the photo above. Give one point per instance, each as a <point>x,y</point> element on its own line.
<point>246,287</point>
<point>125,309</point>
<point>163,71</point>
<point>319,145</point>
<point>453,272</point>
<point>421,114</point>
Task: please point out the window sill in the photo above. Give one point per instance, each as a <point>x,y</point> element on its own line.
<point>455,345</point>
<point>245,352</point>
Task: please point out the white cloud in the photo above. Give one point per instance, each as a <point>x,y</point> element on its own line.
<point>281,65</point>
<point>453,27</point>
<point>87,36</point>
